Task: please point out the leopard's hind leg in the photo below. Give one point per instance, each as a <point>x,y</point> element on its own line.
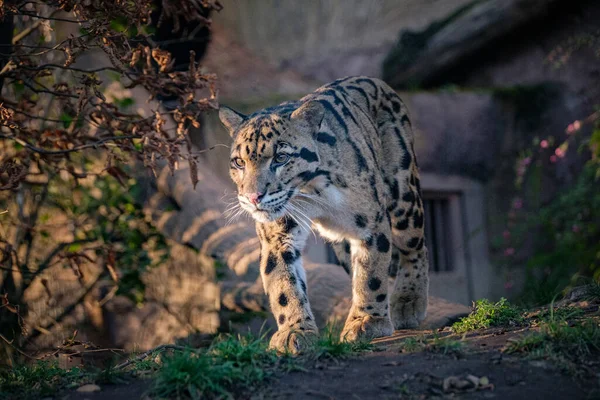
<point>409,280</point>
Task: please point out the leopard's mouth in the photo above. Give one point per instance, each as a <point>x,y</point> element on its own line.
<point>268,214</point>
<point>272,207</point>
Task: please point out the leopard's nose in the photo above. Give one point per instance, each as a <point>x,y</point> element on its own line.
<point>254,198</point>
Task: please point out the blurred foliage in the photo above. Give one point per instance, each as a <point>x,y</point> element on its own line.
<point>561,237</point>
<point>567,246</point>
<point>69,129</point>
<point>114,220</point>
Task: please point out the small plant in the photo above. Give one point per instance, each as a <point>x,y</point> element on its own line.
<point>435,344</point>
<point>445,345</point>
<point>487,314</point>
<point>593,293</point>
<point>413,344</point>
<point>36,381</point>
<point>558,340</point>
<point>230,363</point>
<point>329,345</point>
<point>560,313</point>
<point>580,339</point>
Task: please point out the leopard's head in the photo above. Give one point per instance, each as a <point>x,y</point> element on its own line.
<point>274,159</point>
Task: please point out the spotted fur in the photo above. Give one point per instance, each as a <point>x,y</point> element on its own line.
<point>339,160</point>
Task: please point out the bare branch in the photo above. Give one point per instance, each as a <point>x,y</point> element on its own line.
<point>150,352</point>
<point>74,149</point>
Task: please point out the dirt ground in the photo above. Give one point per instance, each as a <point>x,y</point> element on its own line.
<point>388,373</point>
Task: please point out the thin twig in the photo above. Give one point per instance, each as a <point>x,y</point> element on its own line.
<point>87,71</point>
<point>43,265</point>
<point>148,353</point>
<point>10,343</point>
<point>75,21</point>
<point>26,32</point>
<point>77,148</point>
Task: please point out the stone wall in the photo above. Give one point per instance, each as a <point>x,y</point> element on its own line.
<point>326,39</point>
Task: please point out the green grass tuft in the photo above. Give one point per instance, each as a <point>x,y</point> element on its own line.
<point>231,363</point>
<point>435,344</point>
<point>593,293</point>
<point>559,339</point>
<point>329,345</point>
<point>413,344</point>
<point>445,345</point>
<point>559,313</point>
<point>487,314</point>
<point>36,381</point>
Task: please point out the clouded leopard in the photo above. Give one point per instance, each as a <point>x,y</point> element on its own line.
<point>339,160</point>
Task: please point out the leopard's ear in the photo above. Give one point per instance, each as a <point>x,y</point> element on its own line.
<point>231,119</point>
<point>308,116</point>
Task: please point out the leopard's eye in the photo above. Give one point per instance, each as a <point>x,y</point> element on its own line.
<point>238,163</point>
<point>281,158</point>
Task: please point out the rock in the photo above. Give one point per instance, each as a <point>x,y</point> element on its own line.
<point>89,388</point>
<point>421,57</point>
<point>325,40</point>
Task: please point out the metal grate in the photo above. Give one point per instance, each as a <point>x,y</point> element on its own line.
<point>437,232</point>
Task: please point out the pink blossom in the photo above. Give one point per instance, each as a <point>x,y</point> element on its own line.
<point>517,203</point>
<point>508,285</point>
<point>526,161</point>
<point>553,158</point>
<point>574,127</point>
<point>509,251</point>
<point>544,144</point>
<point>559,152</point>
<point>575,228</point>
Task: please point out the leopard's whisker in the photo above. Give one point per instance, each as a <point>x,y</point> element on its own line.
<point>307,222</point>
<point>290,210</point>
<point>318,200</point>
<point>233,214</point>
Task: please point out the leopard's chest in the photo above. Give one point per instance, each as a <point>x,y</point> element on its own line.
<point>334,222</point>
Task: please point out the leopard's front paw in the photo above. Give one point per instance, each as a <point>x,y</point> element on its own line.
<point>366,327</point>
<point>293,341</point>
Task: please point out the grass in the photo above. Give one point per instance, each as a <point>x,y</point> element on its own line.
<point>44,378</point>
<point>445,345</point>
<point>576,340</point>
<point>413,344</point>
<point>37,380</point>
<point>234,364</point>
<point>593,293</point>
<point>560,313</point>
<point>329,345</point>
<point>563,337</point>
<point>487,314</point>
<point>230,364</point>
<point>435,344</point>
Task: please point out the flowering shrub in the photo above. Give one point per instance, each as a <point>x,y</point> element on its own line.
<point>566,230</point>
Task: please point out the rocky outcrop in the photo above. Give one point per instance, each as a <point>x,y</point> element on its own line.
<point>421,57</point>
<point>326,39</point>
